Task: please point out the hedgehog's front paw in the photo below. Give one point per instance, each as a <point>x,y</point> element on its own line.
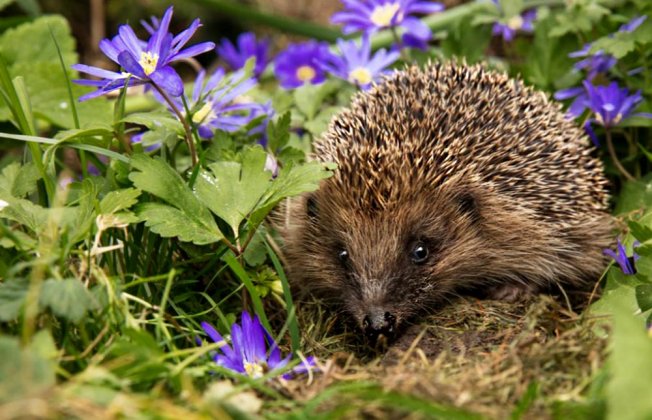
<point>512,292</point>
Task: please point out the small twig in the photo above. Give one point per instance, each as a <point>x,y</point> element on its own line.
<point>90,347</point>
<point>184,121</point>
<point>614,157</point>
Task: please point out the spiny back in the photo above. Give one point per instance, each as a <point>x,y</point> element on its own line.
<point>421,128</point>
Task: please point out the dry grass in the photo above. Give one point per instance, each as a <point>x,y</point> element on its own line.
<point>481,356</point>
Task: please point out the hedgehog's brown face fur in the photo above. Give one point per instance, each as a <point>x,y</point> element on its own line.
<point>449,178</point>
<point>391,263</point>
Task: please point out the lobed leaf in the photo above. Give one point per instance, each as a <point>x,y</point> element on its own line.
<point>19,180</point>
<point>116,201</point>
<point>66,298</point>
<point>231,190</point>
<point>171,222</point>
<point>158,178</point>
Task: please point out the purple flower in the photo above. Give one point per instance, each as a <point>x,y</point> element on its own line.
<point>264,112</point>
<point>627,264</point>
<point>247,47</point>
<point>610,105</point>
<point>356,64</point>
<point>144,62</point>
<point>579,103</point>
<point>297,65</point>
<point>253,352</point>
<point>522,22</point>
<point>217,103</point>
<point>138,139</point>
<point>598,62</point>
<point>632,24</point>
<point>370,16</point>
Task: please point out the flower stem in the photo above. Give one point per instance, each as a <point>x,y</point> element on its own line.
<point>614,157</point>
<point>184,121</point>
<point>405,54</point>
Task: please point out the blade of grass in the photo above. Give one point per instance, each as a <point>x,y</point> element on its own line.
<point>37,155</point>
<point>239,271</point>
<point>161,312</point>
<point>71,99</point>
<point>87,147</point>
<point>118,117</point>
<point>64,69</point>
<point>293,324</point>
<point>13,101</point>
<point>11,97</point>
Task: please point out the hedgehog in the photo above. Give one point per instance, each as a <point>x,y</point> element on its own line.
<point>451,179</point>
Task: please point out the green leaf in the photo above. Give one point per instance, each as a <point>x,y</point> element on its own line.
<point>256,252</point>
<point>12,298</point>
<point>24,212</point>
<point>80,218</point>
<point>155,120</point>
<point>640,231</point>
<point>158,178</point>
<point>628,391</point>
<point>320,123</point>
<point>547,58</point>
<point>309,98</point>
<point>292,180</point>
<point>116,201</point>
<point>30,373</point>
<point>17,180</point>
<point>233,189</point>
<point>66,298</point>
<point>619,44</point>
<point>46,84</point>
<point>581,16</point>
<point>171,222</point>
<point>37,61</point>
<point>619,288</point>
<point>32,41</point>
<point>278,133</point>
<point>464,39</point>
<point>644,297</point>
<point>635,195</point>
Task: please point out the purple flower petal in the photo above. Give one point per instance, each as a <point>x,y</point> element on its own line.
<point>156,41</point>
<point>194,50</point>
<point>131,65</point>
<point>168,80</point>
<point>633,24</point>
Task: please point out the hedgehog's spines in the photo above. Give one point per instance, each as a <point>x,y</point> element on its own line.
<point>461,120</point>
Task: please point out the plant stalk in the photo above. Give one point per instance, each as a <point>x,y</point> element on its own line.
<point>186,127</point>
<point>614,157</point>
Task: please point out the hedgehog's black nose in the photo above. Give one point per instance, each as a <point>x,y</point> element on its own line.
<point>377,322</point>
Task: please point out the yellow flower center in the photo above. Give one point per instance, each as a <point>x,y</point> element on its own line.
<point>254,370</point>
<point>306,73</point>
<point>360,76</point>
<point>383,15</point>
<point>206,111</point>
<point>148,62</point>
<point>515,23</point>
<point>618,118</point>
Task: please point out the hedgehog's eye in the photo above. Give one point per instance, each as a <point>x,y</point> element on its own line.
<point>311,208</point>
<point>343,256</point>
<point>419,253</point>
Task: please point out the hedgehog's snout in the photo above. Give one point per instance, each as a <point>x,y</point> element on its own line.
<point>379,322</point>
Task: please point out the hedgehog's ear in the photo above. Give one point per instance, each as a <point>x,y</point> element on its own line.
<point>311,207</point>
<point>468,204</point>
